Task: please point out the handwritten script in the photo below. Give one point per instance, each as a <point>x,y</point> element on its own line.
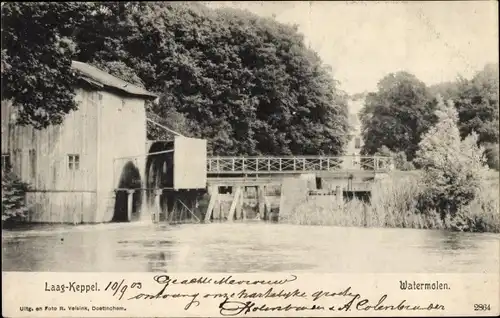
<point>236,296</point>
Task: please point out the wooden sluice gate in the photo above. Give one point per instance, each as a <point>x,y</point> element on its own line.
<point>230,198</point>
<point>242,203</point>
<point>158,205</point>
<point>176,207</point>
<point>319,180</point>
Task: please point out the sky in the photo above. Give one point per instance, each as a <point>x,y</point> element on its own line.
<point>364,41</point>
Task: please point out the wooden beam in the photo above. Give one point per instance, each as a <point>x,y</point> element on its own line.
<point>174,211</point>
<point>239,206</point>
<point>243,211</point>
<point>261,202</point>
<point>144,205</point>
<point>157,205</point>
<point>62,191</point>
<point>130,204</point>
<point>213,199</point>
<point>183,212</point>
<point>166,128</point>
<point>267,207</point>
<point>190,211</point>
<point>145,154</point>
<point>237,195</point>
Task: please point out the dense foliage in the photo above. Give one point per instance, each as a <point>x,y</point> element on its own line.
<point>477,104</point>
<point>396,115</point>
<point>492,153</point>
<point>13,198</point>
<point>120,70</point>
<point>247,84</point>
<point>453,169</point>
<point>37,49</point>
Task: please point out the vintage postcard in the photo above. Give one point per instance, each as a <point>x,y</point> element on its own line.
<point>260,159</point>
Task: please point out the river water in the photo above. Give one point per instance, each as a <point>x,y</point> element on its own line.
<point>247,247</point>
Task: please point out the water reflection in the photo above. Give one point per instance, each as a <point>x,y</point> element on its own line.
<point>455,241</point>
<point>157,262</point>
<point>251,247</point>
<point>458,243</point>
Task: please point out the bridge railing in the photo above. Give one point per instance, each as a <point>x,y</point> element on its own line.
<point>254,165</point>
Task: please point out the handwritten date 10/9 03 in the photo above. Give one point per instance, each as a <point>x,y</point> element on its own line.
<point>482,307</point>
<point>121,287</point>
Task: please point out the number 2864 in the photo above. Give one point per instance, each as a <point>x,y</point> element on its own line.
<point>482,307</point>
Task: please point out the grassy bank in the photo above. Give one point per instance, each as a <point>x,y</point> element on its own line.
<point>394,204</point>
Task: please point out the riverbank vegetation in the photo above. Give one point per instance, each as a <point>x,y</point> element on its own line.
<point>454,189</point>
<point>395,205</point>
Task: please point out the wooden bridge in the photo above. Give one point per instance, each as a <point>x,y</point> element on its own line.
<point>295,178</point>
<point>229,181</point>
<point>352,173</point>
<point>296,164</point>
<point>177,171</point>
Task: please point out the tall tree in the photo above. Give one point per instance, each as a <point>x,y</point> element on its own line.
<point>453,169</point>
<point>397,114</point>
<point>477,104</point>
<point>37,47</point>
<point>476,100</point>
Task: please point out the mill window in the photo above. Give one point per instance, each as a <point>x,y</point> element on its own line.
<point>74,162</point>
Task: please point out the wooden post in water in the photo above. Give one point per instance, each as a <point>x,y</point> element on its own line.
<point>213,192</point>
<point>237,194</point>
<point>267,207</point>
<point>261,202</point>
<point>339,195</point>
<point>157,205</point>
<point>243,211</point>
<point>144,205</point>
<point>239,205</point>
<point>218,210</point>
<point>130,204</point>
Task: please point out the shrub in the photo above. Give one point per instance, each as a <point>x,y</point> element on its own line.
<point>453,169</point>
<point>481,214</point>
<point>13,198</point>
<point>491,152</point>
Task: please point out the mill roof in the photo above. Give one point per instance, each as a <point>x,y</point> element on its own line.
<point>97,77</point>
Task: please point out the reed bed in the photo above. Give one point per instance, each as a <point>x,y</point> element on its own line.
<point>482,214</point>
<point>394,205</point>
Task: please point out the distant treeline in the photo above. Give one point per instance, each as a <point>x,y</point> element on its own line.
<point>402,110</point>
